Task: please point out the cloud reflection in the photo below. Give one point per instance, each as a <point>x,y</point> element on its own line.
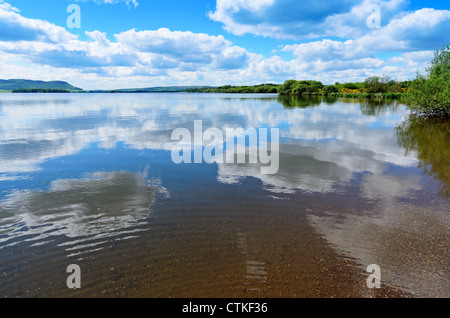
<point>102,204</point>
<point>322,145</point>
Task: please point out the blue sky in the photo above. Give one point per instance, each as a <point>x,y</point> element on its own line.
<point>142,43</point>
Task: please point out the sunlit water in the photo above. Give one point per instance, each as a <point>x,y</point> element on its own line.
<point>88,179</point>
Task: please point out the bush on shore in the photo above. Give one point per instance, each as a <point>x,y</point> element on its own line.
<point>429,95</point>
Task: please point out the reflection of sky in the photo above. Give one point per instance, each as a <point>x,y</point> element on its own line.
<point>36,128</point>
<point>94,195</point>
<point>330,141</point>
<point>96,204</point>
<point>92,165</point>
<point>44,137</point>
<point>407,241</point>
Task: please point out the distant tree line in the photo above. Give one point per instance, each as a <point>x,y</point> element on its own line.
<point>40,90</point>
<point>372,87</point>
<point>426,95</point>
<point>381,86</point>
<point>229,89</point>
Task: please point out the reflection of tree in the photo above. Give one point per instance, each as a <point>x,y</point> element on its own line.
<point>295,101</point>
<point>370,107</point>
<point>430,138</point>
<point>376,107</point>
<point>329,100</point>
<point>263,99</point>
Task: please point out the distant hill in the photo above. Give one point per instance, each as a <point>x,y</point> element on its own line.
<point>16,84</point>
<point>29,86</point>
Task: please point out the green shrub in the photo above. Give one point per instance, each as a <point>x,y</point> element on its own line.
<point>430,95</point>
<point>285,89</point>
<point>376,84</point>
<point>330,89</point>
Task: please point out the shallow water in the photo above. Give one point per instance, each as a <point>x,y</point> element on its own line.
<point>88,179</point>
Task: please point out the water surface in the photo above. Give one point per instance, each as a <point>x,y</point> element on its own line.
<point>88,179</point>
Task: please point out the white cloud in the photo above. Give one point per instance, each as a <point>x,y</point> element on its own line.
<point>14,27</point>
<point>411,33</point>
<point>167,57</point>
<point>354,23</point>
<point>185,46</point>
<point>134,53</point>
<point>7,7</point>
<point>296,19</point>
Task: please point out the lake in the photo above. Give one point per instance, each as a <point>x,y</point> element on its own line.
<point>88,179</point>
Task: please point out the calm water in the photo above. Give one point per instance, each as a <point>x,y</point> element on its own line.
<point>88,179</point>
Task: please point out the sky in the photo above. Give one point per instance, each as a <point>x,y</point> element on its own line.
<point>111,44</point>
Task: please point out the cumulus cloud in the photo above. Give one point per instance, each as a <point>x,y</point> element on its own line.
<point>280,19</point>
<point>7,7</point>
<point>14,27</point>
<point>147,52</point>
<point>413,34</point>
<point>165,56</point>
<point>354,23</point>
<point>296,19</point>
<point>188,46</point>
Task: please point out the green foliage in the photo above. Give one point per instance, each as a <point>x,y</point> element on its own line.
<point>430,95</point>
<point>228,89</point>
<point>378,96</point>
<point>394,87</point>
<point>285,89</point>
<point>377,84</point>
<point>298,88</point>
<point>352,85</point>
<point>315,86</point>
<point>293,87</point>
<point>373,87</point>
<point>405,84</point>
<point>440,64</point>
<point>330,89</point>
